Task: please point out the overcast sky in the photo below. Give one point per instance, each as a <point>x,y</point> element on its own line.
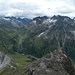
<point>33,8</point>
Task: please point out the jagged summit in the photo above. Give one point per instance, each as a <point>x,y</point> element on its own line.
<point>60,17</point>
<point>42,18</point>
<point>60,27</point>
<point>55,63</point>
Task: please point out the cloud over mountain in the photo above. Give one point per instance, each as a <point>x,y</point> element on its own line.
<point>33,8</point>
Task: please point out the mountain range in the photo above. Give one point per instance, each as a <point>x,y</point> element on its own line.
<point>48,33</point>
<point>13,21</point>
<point>37,37</point>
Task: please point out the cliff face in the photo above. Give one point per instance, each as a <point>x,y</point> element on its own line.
<point>56,63</point>
<point>4,60</point>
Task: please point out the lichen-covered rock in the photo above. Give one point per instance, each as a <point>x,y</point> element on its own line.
<point>55,63</point>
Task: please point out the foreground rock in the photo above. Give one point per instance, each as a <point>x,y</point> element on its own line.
<point>56,63</point>
<point>4,60</point>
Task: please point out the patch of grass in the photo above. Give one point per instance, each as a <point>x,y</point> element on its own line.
<point>20,59</point>
<point>12,71</point>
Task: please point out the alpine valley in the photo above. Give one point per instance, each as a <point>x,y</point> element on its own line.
<point>46,44</point>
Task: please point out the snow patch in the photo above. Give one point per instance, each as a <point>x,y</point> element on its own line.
<point>73,31</point>
<point>50,21</point>
<point>22,17</point>
<point>66,19</point>
<point>11,66</point>
<point>39,19</point>
<point>41,34</point>
<point>53,20</point>
<point>34,21</point>
<point>7,19</point>
<point>50,26</point>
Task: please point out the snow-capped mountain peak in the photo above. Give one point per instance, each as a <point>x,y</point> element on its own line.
<point>48,21</point>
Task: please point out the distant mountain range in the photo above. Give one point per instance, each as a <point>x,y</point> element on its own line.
<point>13,21</point>
<point>39,36</point>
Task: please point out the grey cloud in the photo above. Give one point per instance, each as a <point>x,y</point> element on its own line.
<point>22,5</point>
<point>64,10</point>
<point>31,9</point>
<point>26,8</point>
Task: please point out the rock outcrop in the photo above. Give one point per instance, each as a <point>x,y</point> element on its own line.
<point>4,60</point>
<point>55,63</point>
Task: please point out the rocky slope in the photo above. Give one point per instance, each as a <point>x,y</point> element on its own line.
<point>47,33</point>
<point>55,63</point>
<point>4,60</point>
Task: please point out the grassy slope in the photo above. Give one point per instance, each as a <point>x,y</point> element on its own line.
<point>20,59</point>
<point>12,71</point>
<point>6,37</point>
<point>17,69</point>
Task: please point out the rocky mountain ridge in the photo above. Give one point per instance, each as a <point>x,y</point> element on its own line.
<point>55,63</point>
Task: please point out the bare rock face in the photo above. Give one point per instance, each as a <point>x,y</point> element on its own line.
<point>56,63</point>
<point>4,60</point>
